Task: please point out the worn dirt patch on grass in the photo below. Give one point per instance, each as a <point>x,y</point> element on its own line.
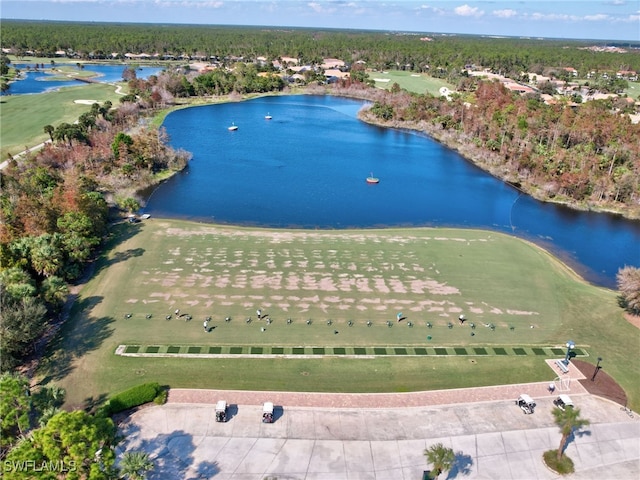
<point>633,319</point>
<point>370,275</point>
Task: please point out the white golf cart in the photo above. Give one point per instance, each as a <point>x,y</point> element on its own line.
<point>526,403</point>
<point>563,402</point>
<point>267,412</point>
<point>221,411</point>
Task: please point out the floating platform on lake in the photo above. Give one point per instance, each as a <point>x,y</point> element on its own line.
<point>373,179</point>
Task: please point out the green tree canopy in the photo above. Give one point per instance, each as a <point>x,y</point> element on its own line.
<point>15,407</point>
<point>77,441</point>
<point>441,457</point>
<point>135,465</point>
<point>121,144</point>
<point>22,322</point>
<point>21,407</point>
<point>17,283</point>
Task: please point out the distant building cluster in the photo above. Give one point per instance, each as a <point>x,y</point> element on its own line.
<point>333,69</point>
<point>568,86</point>
<point>563,82</point>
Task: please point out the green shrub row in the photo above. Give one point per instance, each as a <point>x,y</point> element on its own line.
<point>133,397</point>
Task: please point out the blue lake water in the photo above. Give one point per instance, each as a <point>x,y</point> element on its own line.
<point>39,81</point>
<point>306,168</point>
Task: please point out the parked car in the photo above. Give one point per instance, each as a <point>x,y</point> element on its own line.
<point>563,402</point>
<point>221,411</point>
<point>267,412</point>
<point>526,403</point>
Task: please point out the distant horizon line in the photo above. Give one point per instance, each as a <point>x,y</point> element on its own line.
<point>635,43</point>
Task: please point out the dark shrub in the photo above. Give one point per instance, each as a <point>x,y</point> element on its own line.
<point>133,397</point>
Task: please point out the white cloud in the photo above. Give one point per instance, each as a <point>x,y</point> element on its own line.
<point>552,17</point>
<point>467,11</point>
<point>428,8</point>
<point>316,7</point>
<point>182,4</point>
<point>356,8</point>
<point>597,18</point>
<point>160,3</point>
<point>506,13</point>
<point>332,7</point>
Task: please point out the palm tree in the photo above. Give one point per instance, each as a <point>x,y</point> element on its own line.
<point>568,420</point>
<point>49,129</point>
<point>54,290</point>
<point>134,465</point>
<point>441,457</point>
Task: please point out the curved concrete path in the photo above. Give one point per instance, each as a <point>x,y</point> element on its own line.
<point>378,436</point>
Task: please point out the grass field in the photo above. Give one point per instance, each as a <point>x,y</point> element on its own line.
<point>633,90</point>
<point>23,117</point>
<point>430,275</point>
<point>410,81</point>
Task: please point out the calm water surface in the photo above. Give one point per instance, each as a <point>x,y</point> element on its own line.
<point>307,167</point>
<point>39,81</point>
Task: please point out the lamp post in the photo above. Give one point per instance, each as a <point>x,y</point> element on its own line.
<point>595,372</point>
<point>570,346</point>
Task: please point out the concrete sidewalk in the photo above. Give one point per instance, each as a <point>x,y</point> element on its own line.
<point>388,400</point>
<point>492,439</point>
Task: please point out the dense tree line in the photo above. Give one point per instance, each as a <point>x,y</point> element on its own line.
<point>39,440</point>
<point>586,156</point>
<point>55,211</point>
<point>443,55</point>
<point>23,408</point>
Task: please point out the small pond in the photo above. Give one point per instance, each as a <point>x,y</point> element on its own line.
<point>39,80</point>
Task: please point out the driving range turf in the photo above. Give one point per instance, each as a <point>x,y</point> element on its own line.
<point>410,81</point>
<point>525,305</point>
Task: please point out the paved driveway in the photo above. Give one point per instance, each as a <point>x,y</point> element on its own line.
<point>492,440</point>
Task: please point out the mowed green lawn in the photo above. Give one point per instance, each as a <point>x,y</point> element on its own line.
<point>430,275</point>
<point>23,117</point>
<point>633,90</point>
<point>410,81</point>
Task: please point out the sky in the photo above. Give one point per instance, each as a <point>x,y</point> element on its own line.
<point>583,19</point>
